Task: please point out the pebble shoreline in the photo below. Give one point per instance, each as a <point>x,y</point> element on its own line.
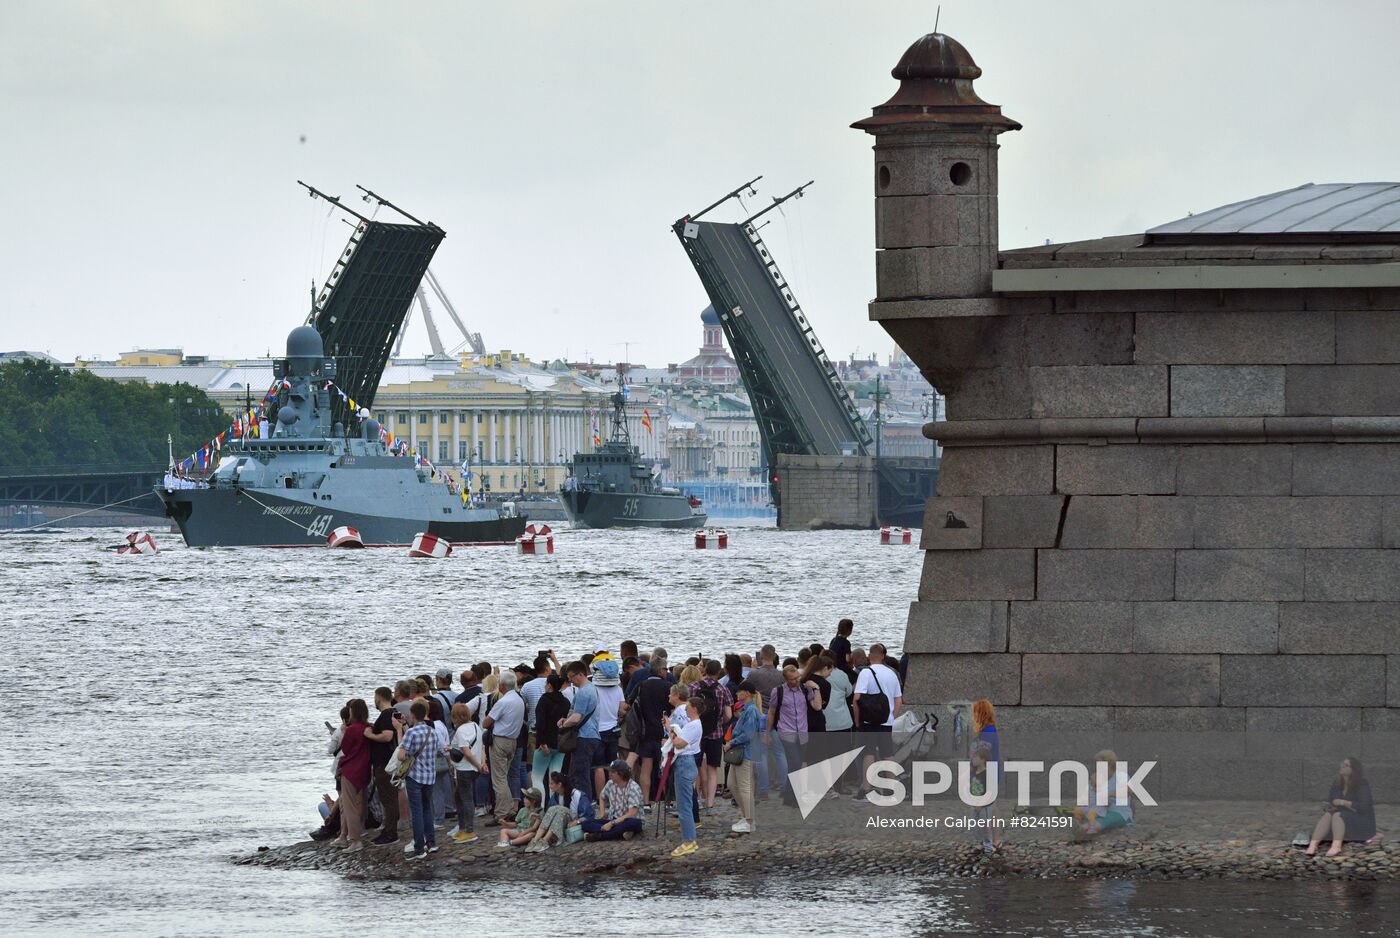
<point>649,856</point>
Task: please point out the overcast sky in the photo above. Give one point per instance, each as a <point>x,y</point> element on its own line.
<point>150,149</point>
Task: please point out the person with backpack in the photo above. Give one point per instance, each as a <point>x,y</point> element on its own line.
<point>788,706</point>
<point>876,703</point>
<point>718,704</point>
<point>444,694</point>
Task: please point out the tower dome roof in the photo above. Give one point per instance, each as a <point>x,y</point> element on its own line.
<point>709,317</point>
<point>935,87</point>
<point>936,56</point>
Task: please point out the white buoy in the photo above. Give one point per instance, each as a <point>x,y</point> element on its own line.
<point>139,542</point>
<point>345,536</point>
<point>429,545</point>
<point>711,539</point>
<point>536,540</point>
<point>896,535</point>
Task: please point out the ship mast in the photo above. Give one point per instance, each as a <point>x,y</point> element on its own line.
<point>620,433</point>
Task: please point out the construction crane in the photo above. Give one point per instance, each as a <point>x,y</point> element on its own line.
<point>471,339</point>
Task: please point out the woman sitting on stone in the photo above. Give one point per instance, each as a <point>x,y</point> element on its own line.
<point>564,808</point>
<point>1107,809</point>
<point>1349,813</point>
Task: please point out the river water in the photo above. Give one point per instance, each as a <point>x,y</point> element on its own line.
<point>166,714</point>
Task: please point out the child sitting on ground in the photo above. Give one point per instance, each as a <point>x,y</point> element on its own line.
<point>521,831</point>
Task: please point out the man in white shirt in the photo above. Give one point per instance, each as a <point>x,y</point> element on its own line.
<point>878,684</point>
<point>505,720</point>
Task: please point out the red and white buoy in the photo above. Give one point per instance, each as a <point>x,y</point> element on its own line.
<point>139,542</point>
<point>711,539</point>
<point>536,540</point>
<point>429,545</point>
<point>896,535</point>
<point>345,536</point>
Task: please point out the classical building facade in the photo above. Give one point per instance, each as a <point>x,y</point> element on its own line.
<point>1170,489</point>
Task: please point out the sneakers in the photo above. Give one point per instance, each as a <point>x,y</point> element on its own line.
<point>408,847</point>
<point>454,831</point>
<point>742,827</point>
<point>465,837</point>
<point>536,846</point>
<point>503,843</point>
<point>418,856</point>
<point>685,849</point>
<point>483,811</point>
<point>323,833</point>
<point>385,838</point>
<point>432,848</point>
<point>628,835</point>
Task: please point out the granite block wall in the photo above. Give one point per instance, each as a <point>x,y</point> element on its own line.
<point>1183,506</point>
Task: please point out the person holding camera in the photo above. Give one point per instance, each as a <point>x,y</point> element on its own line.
<point>468,758</point>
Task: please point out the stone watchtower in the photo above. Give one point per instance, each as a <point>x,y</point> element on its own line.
<point>935,177</point>
<point>1171,459</point>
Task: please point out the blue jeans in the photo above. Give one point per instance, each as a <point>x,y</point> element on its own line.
<point>685,771</point>
<point>420,808</point>
<point>543,765</point>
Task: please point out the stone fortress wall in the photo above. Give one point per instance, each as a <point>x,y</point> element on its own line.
<point>1174,469</point>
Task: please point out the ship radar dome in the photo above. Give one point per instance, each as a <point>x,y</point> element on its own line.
<point>304,342</point>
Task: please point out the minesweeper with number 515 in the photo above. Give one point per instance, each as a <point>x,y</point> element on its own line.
<point>305,478</point>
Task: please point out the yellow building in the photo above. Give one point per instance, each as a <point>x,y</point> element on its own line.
<point>160,357</point>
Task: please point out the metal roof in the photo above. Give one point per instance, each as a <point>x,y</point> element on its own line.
<point>1360,211</point>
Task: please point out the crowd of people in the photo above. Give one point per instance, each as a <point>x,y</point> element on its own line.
<point>552,753</point>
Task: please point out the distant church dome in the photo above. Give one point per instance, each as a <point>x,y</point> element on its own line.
<point>709,317</point>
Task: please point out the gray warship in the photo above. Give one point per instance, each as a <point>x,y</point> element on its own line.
<point>614,487</point>
<point>307,477</point>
